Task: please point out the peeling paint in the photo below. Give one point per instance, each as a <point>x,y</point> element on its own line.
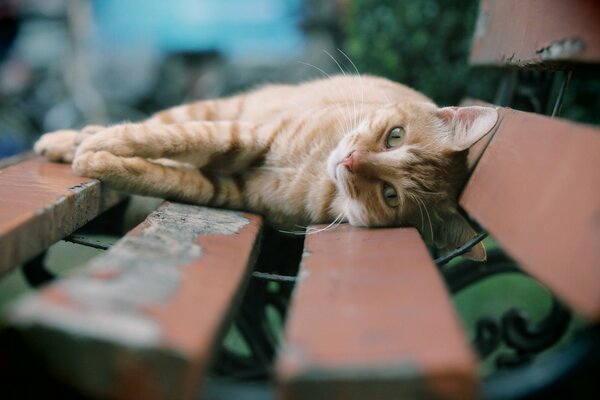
<point>481,25</point>
<point>144,270</point>
<point>83,186</point>
<point>303,274</point>
<point>106,274</point>
<point>127,328</point>
<point>561,49</point>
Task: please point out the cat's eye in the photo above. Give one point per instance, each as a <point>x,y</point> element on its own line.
<point>395,137</point>
<point>390,196</point>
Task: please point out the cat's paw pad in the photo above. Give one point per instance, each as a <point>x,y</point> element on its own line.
<point>57,146</point>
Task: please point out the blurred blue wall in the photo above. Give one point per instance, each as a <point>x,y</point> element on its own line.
<point>236,28</point>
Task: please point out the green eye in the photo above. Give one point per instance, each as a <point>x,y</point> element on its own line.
<point>395,137</point>
<point>390,196</point>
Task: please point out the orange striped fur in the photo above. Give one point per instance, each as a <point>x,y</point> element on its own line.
<point>318,152</point>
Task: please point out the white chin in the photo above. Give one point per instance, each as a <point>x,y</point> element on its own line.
<point>354,213</point>
<point>332,164</point>
<point>352,220</point>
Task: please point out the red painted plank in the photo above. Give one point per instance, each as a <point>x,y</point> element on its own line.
<point>143,320</point>
<point>42,202</point>
<point>533,32</point>
<point>372,319</point>
<point>536,190</point>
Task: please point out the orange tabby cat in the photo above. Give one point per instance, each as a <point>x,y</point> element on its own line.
<point>359,149</point>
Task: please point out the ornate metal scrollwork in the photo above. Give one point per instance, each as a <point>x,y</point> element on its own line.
<point>528,338</point>
<point>514,329</point>
<point>523,335</point>
<point>487,336</point>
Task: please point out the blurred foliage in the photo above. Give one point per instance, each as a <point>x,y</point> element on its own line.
<point>422,43</point>
<point>425,44</point>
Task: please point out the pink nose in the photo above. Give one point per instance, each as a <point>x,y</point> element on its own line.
<point>349,162</point>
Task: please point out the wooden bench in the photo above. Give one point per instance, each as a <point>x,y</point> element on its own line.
<point>371,317</point>
<point>371,314</point>
<point>144,319</point>
<point>41,203</point>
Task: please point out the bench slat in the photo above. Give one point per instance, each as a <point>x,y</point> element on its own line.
<point>372,319</point>
<point>530,32</point>
<point>42,202</point>
<point>143,320</point>
<point>536,190</point>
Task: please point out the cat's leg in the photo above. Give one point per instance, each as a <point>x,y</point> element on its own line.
<point>161,178</point>
<point>219,145</point>
<point>131,157</point>
<point>61,145</point>
<point>224,109</point>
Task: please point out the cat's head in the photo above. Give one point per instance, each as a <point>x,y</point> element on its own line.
<point>405,164</point>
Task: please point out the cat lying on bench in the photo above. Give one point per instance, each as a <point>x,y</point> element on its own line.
<point>362,150</point>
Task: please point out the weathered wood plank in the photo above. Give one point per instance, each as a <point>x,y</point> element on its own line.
<point>536,190</point>
<point>371,319</point>
<point>17,158</point>
<point>143,320</point>
<point>42,202</point>
<point>536,32</point>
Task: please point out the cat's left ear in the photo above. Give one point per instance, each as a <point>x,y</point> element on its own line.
<point>467,124</point>
<point>456,231</point>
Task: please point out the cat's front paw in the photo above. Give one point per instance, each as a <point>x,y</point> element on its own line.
<point>93,164</point>
<point>61,145</point>
<point>57,146</point>
<point>114,170</point>
<point>109,139</point>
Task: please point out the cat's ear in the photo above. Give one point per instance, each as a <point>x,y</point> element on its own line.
<point>456,231</point>
<point>467,124</point>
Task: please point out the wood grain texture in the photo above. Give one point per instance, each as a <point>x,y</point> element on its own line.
<point>536,32</point>
<point>536,191</point>
<point>42,202</point>
<point>144,319</point>
<point>372,319</point>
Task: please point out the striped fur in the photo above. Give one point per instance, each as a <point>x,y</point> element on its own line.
<point>310,153</point>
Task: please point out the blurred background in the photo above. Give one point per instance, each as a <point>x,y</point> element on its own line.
<point>67,63</point>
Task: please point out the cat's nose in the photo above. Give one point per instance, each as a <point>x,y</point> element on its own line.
<point>348,162</point>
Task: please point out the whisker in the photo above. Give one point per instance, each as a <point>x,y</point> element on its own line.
<point>343,73</point>
<point>429,218</point>
<point>296,233</point>
<point>426,193</point>
<point>346,122</point>
<point>336,221</point>
<point>362,87</point>
<point>308,230</point>
<point>315,67</point>
<point>420,211</point>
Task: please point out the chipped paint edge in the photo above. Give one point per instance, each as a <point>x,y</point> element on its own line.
<point>131,329</point>
<point>82,203</point>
